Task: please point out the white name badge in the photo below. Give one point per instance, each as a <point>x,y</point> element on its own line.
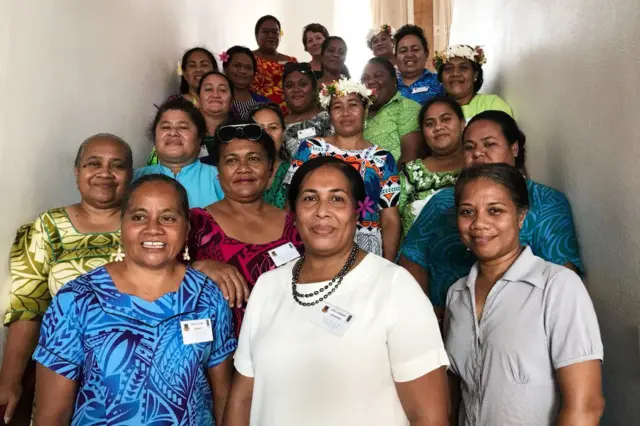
<point>284,254</point>
<point>306,133</point>
<point>331,318</point>
<point>196,331</point>
<point>420,89</point>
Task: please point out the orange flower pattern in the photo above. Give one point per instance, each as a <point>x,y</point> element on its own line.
<point>267,80</point>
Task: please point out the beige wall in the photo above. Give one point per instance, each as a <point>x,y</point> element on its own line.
<point>571,71</point>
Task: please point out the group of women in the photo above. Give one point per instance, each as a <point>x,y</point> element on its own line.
<point>371,251</point>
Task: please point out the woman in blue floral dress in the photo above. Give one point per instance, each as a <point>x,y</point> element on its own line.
<point>379,220</point>
<point>142,341</point>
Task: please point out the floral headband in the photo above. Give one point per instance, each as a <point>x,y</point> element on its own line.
<point>384,28</point>
<point>474,54</point>
<point>343,87</point>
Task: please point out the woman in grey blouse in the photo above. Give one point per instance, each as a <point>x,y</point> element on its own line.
<point>521,333</point>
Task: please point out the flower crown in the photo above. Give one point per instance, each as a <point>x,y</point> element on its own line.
<point>343,87</point>
<point>384,28</point>
<point>474,54</point>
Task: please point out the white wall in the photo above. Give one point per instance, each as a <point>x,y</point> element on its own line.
<point>72,68</point>
<point>571,71</point>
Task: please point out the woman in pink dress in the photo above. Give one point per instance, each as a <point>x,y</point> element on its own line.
<point>238,238</point>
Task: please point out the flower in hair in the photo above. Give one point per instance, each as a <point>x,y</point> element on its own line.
<point>179,70</point>
<point>343,87</point>
<point>474,54</point>
<point>384,28</point>
<point>224,56</point>
<point>281,32</point>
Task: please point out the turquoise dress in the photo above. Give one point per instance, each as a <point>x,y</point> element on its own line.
<point>128,355</point>
<point>433,242</point>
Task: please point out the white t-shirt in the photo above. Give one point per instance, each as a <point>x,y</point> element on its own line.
<point>306,375</point>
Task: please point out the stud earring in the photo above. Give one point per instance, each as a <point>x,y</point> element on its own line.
<point>185,255</point>
<point>118,256</point>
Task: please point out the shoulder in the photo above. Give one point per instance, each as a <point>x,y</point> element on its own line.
<point>210,294</point>
<point>147,170</point>
<point>278,278</point>
<point>407,104</point>
<point>543,196</point>
<point>82,288</point>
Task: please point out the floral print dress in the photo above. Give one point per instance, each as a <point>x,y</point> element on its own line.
<point>267,81</point>
<point>380,174</point>
<point>417,186</point>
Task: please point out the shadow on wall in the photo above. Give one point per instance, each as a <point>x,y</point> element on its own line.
<point>76,68</point>
<point>583,138</point>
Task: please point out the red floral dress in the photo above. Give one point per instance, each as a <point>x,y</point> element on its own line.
<point>267,81</point>
<point>207,241</point>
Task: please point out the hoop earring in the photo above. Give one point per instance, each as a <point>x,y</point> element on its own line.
<point>118,256</point>
<point>185,255</point>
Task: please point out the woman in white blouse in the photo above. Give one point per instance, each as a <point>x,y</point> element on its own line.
<point>340,336</point>
<point>521,332</point>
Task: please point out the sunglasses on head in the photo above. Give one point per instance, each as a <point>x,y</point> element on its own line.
<point>302,67</point>
<point>226,134</point>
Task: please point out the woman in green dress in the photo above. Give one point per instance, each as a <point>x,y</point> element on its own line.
<point>442,123</point>
<point>59,246</point>
<point>270,117</point>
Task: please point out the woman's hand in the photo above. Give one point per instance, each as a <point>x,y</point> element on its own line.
<point>230,281</point>
<point>10,394</point>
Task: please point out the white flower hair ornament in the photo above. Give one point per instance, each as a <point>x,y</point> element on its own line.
<point>472,53</point>
<point>179,69</point>
<point>384,28</point>
<point>343,87</point>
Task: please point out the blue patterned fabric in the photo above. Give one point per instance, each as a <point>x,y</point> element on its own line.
<point>127,354</point>
<point>426,87</point>
<point>433,241</point>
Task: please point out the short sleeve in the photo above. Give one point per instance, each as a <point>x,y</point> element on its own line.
<point>30,264</point>
<point>243,360</point>
<point>413,335</point>
<point>408,119</point>
<point>302,155</point>
<point>60,348</point>
<point>390,192</point>
<point>554,235</point>
<point>224,341</point>
<point>570,321</point>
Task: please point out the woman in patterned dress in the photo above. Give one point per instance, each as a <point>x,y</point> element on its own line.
<point>59,246</point>
<point>270,117</point>
<point>305,119</point>
<point>433,251</point>
<point>270,63</point>
<point>379,220</point>
<point>238,238</point>
<point>442,124</point>
<point>240,65</point>
<point>145,340</point>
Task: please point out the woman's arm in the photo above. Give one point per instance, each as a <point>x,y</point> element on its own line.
<point>425,400</point>
<point>22,339</point>
<point>55,396</point>
<point>239,405</point>
<point>411,147</point>
<point>581,389</point>
<point>391,230</point>
<point>220,382</point>
<point>228,279</point>
<point>455,396</point>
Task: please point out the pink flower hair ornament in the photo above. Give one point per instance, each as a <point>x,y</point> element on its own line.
<point>224,56</point>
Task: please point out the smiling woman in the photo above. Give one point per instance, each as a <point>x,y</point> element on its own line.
<point>59,246</point>
<point>237,239</point>
<point>240,67</point>
<point>178,130</point>
<point>102,315</point>
<point>362,318</point>
<point>379,220</point>
<point>270,63</point>
<point>415,81</point>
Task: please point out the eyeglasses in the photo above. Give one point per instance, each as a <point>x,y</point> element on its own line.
<point>226,134</point>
